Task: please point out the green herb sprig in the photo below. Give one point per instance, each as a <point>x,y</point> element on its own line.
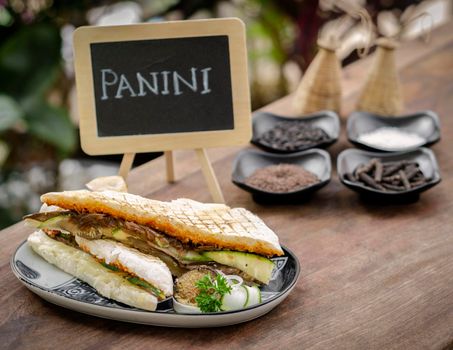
<point>211,292</point>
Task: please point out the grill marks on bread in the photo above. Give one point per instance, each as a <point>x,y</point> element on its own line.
<point>185,219</point>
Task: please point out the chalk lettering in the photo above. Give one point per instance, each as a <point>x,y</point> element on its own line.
<point>155,83</point>
<point>124,85</point>
<point>206,89</point>
<point>165,74</point>
<point>177,78</point>
<point>106,83</point>
<point>142,82</point>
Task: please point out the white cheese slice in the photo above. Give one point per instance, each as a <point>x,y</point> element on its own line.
<point>145,266</point>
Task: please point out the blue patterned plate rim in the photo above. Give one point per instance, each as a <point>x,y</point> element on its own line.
<point>108,303</point>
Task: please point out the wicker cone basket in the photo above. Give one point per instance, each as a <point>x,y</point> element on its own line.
<point>382,91</point>
<point>320,87</point>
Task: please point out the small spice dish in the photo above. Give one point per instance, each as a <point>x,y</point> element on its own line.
<point>327,121</point>
<point>350,159</point>
<point>314,160</point>
<point>423,124</point>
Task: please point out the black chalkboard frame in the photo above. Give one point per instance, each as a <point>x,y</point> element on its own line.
<point>94,144</point>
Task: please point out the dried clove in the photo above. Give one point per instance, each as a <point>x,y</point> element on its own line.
<point>393,187</point>
<point>411,171</point>
<point>391,178</point>
<point>370,181</point>
<point>418,183</point>
<point>390,170</point>
<point>388,176</point>
<point>378,172</point>
<point>350,177</point>
<point>404,179</point>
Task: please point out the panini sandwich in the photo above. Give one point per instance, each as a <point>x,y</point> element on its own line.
<point>116,228</point>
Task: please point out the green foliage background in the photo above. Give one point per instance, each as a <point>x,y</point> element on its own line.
<point>30,63</point>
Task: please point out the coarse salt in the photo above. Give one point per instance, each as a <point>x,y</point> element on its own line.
<point>391,138</point>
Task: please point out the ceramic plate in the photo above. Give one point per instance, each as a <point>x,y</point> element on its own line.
<point>350,159</point>
<point>60,288</point>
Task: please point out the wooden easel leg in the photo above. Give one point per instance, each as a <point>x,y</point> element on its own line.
<point>126,164</point>
<point>209,175</point>
<point>170,164</point>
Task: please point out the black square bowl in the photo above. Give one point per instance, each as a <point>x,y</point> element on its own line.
<point>350,159</point>
<point>315,160</point>
<point>325,120</point>
<point>425,124</point>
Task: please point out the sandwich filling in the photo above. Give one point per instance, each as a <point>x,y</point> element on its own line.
<point>142,270</point>
<point>107,280</point>
<point>86,230</point>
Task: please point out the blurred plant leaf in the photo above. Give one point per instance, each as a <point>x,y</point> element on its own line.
<point>10,112</point>
<point>29,66</point>
<point>4,151</point>
<point>5,17</point>
<point>52,125</point>
<point>272,31</point>
<point>29,61</point>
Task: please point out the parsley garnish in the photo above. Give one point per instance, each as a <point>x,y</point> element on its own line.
<point>211,292</point>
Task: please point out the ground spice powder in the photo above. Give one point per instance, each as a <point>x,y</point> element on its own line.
<point>281,178</point>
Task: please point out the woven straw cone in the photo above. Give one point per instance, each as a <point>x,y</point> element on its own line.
<point>320,87</point>
<point>382,91</point>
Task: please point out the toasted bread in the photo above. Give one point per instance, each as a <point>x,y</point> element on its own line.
<point>83,266</point>
<point>185,219</point>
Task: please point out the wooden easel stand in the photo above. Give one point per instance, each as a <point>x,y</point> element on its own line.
<point>206,168</point>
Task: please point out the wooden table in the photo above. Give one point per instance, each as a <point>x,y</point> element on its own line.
<point>373,277</point>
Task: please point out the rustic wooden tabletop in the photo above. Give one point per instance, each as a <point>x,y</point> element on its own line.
<point>373,276</point>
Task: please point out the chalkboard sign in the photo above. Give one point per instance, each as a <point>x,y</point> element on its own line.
<point>162,86</point>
